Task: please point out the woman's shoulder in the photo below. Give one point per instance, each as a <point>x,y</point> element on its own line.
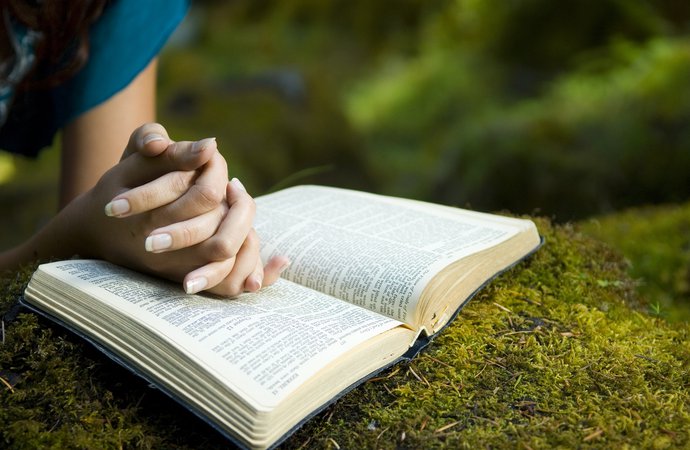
<point>129,34</point>
<point>125,39</point>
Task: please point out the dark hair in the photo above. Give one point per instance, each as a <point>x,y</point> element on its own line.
<point>64,46</point>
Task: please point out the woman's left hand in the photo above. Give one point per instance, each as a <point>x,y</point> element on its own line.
<point>184,220</point>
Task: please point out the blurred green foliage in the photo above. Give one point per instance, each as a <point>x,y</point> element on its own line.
<point>28,194</point>
<point>528,105</point>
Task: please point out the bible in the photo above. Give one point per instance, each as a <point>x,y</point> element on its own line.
<point>372,280</point>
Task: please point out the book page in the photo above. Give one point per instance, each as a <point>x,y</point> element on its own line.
<point>262,345</point>
<point>373,251</point>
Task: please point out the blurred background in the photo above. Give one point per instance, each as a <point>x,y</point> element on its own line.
<point>564,109</point>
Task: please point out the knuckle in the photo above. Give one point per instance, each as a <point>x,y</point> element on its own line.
<point>207,196</point>
<point>144,199</point>
<point>234,287</point>
<point>248,204</point>
<point>219,158</point>
<point>252,239</point>
<point>252,205</point>
<point>234,291</point>
<point>222,211</point>
<point>186,236</point>
<point>179,182</point>
<point>221,249</point>
<point>230,287</point>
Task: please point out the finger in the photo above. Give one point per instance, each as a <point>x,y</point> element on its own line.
<point>154,194</point>
<point>223,278</point>
<point>150,139</point>
<point>233,231</point>
<point>254,281</point>
<point>185,234</point>
<point>274,268</point>
<point>205,194</point>
<point>138,169</point>
<point>228,278</point>
<point>208,276</point>
<point>185,155</point>
<point>244,268</point>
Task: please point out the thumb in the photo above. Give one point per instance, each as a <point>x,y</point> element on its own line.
<point>150,139</point>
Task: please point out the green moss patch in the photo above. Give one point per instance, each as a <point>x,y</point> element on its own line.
<point>559,352</point>
<point>655,240</point>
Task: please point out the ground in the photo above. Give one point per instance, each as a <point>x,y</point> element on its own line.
<point>564,350</point>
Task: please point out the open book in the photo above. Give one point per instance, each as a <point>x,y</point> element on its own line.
<point>372,279</point>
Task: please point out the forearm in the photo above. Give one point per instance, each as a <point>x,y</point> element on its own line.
<point>57,239</point>
<point>93,142</point>
<point>222,255</point>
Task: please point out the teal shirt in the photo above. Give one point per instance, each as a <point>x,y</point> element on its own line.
<point>129,34</point>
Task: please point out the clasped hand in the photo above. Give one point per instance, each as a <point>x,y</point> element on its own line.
<point>167,208</point>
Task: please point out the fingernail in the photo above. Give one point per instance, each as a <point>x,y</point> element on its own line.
<point>158,242</point>
<point>195,285</point>
<point>238,184</point>
<point>117,208</point>
<point>153,137</point>
<point>198,146</point>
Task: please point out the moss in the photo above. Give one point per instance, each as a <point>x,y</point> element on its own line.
<point>559,352</point>
<point>655,240</point>
<point>58,392</point>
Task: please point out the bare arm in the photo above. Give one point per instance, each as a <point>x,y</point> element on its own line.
<point>225,261</point>
<point>91,144</point>
<point>94,141</point>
